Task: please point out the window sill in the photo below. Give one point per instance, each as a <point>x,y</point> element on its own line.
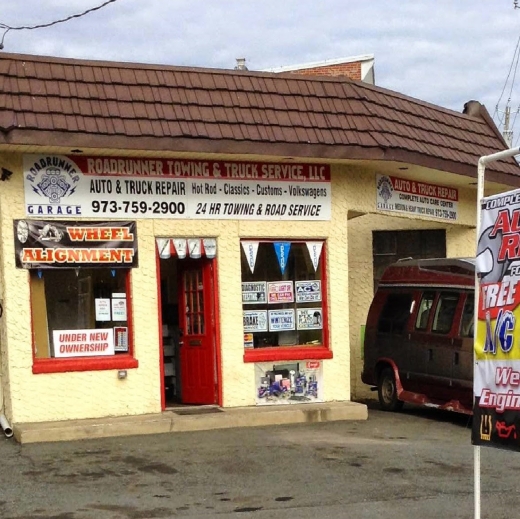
<point>284,353</point>
<point>84,364</point>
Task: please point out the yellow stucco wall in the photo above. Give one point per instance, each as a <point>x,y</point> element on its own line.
<point>76,395</point>
<point>460,241</point>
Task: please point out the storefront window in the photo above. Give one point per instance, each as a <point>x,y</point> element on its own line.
<point>283,294</point>
<point>79,276</point>
<point>79,312</point>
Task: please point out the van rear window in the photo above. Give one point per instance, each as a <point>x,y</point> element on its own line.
<point>395,314</point>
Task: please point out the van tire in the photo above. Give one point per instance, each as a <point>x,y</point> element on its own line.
<point>387,391</point>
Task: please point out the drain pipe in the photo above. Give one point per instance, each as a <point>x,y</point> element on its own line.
<point>4,424</point>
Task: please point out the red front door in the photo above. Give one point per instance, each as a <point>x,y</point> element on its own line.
<point>197,324</point>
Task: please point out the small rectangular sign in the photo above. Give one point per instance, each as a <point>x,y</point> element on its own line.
<point>310,319</point>
<point>280,292</point>
<point>308,291</point>
<point>83,343</point>
<point>119,309</point>
<point>281,320</point>
<point>254,292</point>
<point>102,307</point>
<point>255,320</point>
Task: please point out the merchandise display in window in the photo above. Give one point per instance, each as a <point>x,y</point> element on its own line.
<point>282,293</point>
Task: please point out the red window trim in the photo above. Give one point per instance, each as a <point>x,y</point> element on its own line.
<point>84,364</point>
<point>291,353</point>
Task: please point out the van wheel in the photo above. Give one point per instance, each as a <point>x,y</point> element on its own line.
<point>387,391</point>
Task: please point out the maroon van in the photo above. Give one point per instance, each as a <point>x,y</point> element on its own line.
<point>419,335</point>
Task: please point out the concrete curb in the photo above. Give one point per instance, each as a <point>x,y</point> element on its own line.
<point>172,421</point>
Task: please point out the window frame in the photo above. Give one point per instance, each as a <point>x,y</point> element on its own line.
<point>125,360</point>
<point>297,352</point>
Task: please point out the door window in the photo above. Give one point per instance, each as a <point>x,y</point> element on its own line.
<point>423,314</point>
<point>194,302</point>
<point>445,313</point>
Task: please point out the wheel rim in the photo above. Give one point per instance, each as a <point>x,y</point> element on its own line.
<point>387,389</point>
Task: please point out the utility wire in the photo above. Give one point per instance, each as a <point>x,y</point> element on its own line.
<point>515,57</point>
<point>49,24</point>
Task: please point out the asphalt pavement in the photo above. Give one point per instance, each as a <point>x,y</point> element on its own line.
<point>413,464</point>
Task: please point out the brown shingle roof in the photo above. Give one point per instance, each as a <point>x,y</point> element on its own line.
<point>67,102</point>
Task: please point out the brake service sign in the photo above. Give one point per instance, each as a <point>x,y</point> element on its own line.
<point>496,420</point>
<point>110,187</point>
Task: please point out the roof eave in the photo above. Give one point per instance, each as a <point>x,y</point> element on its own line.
<point>189,144</point>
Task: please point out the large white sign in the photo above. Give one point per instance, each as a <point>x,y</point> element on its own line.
<point>108,187</point>
<point>416,198</point>
<point>83,343</point>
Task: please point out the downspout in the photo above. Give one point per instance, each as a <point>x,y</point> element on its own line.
<point>4,424</point>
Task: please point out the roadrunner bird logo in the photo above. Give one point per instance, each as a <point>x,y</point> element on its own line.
<point>385,188</point>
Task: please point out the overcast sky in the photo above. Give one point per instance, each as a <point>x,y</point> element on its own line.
<point>442,51</point>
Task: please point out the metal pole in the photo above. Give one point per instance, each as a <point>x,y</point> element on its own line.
<point>486,159</point>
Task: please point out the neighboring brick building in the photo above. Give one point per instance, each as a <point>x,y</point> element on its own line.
<point>360,68</point>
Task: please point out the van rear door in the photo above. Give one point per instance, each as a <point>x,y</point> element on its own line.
<point>393,330</point>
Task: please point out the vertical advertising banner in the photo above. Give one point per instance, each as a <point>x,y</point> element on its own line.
<point>496,420</point>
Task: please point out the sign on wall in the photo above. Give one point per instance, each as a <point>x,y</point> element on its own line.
<point>496,388</point>
<point>289,383</point>
<point>61,186</point>
<point>416,198</point>
<point>54,244</point>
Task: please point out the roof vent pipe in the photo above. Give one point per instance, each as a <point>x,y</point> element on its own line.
<point>241,64</point>
<point>4,424</point>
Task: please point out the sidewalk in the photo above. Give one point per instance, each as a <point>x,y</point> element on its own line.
<point>188,418</point>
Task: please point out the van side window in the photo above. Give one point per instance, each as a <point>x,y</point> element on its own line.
<point>395,314</point>
<point>445,312</point>
<point>466,323</point>
<point>424,311</point>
